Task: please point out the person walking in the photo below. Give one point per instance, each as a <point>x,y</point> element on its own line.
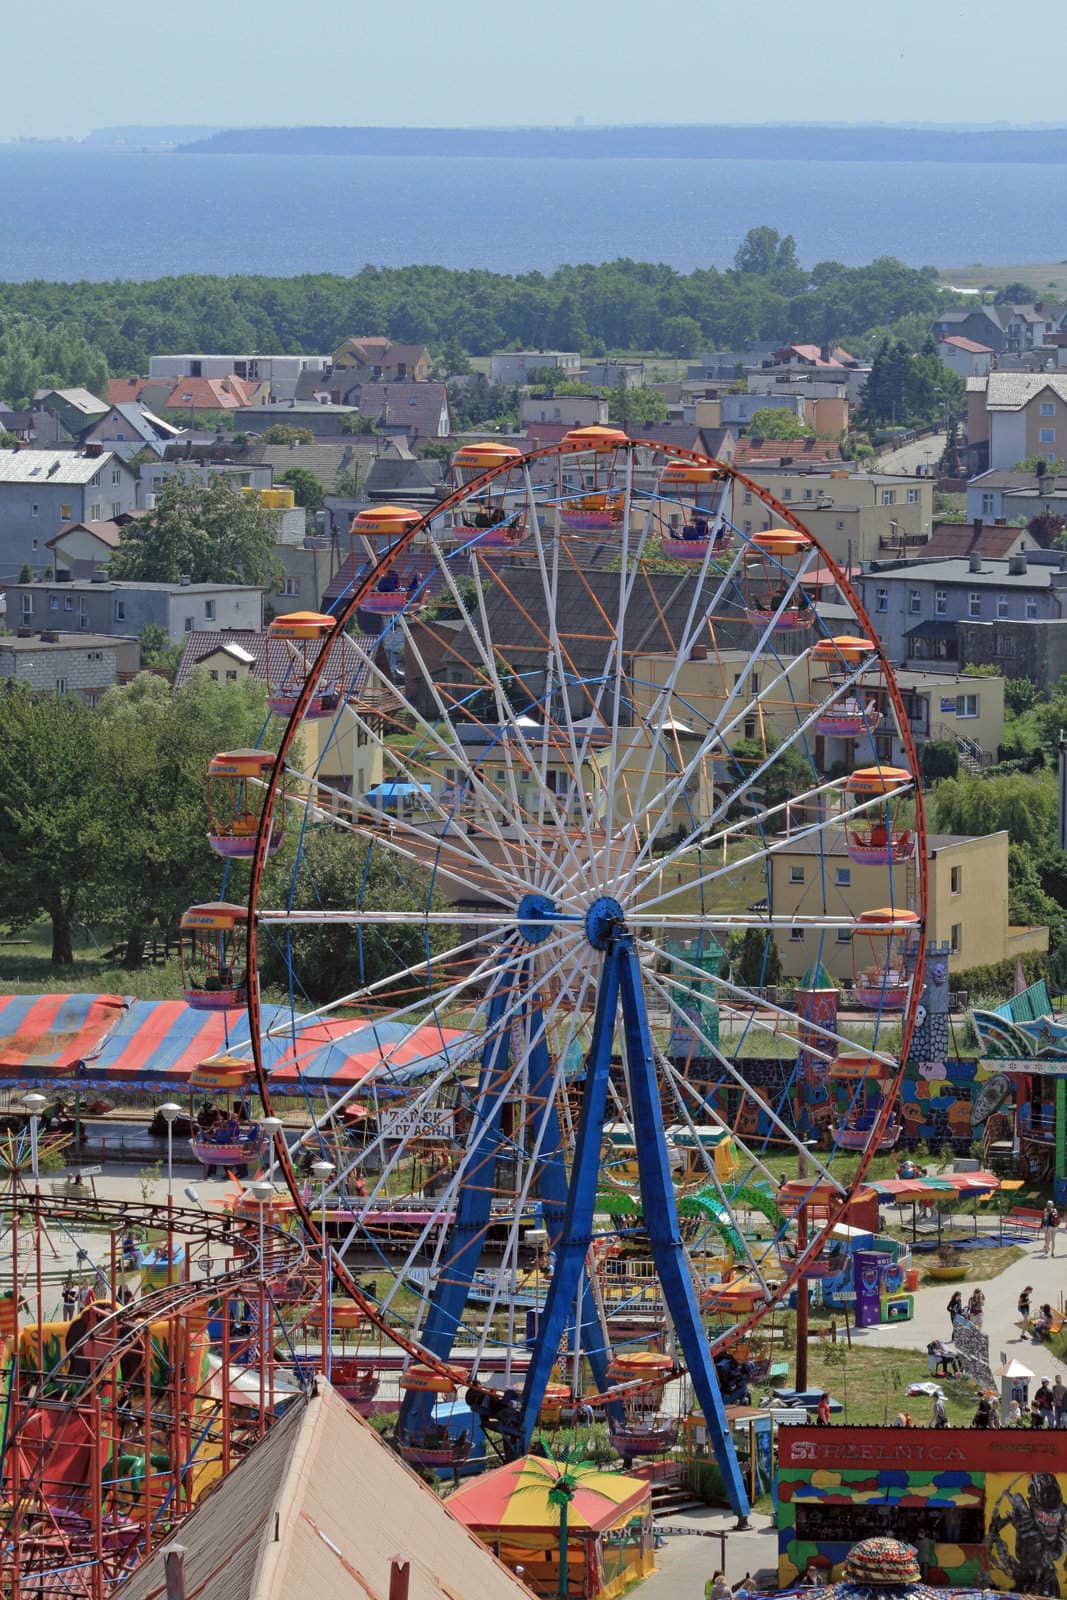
<point>1024,1308</point>
<point>1050,1222</point>
<point>955,1309</point>
<point>976,1308</point>
<point>1059,1400</point>
<point>940,1416</point>
<point>1045,1403</point>
<point>70,1298</point>
<point>822,1411</point>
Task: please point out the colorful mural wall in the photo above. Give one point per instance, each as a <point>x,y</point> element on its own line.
<point>994,1504</point>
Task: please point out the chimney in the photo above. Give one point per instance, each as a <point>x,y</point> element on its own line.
<point>93,450</point>
<point>978,526</point>
<point>174,1571</point>
<point>399,1578</point>
<point>1016,566</point>
<point>974,564</point>
<point>1000,522</point>
<point>185,580</point>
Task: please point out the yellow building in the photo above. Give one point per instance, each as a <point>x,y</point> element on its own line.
<point>856,516</point>
<point>967,900</point>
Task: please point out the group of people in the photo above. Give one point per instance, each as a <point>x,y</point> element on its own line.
<point>973,1311</point>
<point>1039,1327</point>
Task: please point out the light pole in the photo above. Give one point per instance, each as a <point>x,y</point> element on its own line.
<point>323,1171</point>
<point>169,1111</point>
<point>261,1192</point>
<point>35,1104</point>
<point>272,1126</point>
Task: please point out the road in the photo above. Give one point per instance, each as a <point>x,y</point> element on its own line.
<point>910,457</point>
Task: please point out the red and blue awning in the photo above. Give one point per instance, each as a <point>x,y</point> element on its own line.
<point>48,1035</point>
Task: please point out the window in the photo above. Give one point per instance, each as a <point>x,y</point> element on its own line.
<point>881,599</point>
<point>1031,607</point>
<point>1046,435</point>
<point>753,684</point>
<point>231,676</point>
<point>913,497</point>
<point>956,938</point>
<point>746,498</point>
<point>955,880</point>
<point>1003,644</point>
<point>796,935</point>
<point>34,543</point>
<point>889,497</point>
<point>840,523</point>
<point>843,936</point>
<point>61,686</point>
<point>94,512</point>
<point>213,674</point>
<point>974,603</point>
<point>1048,408</point>
<point>209,610</point>
<point>53,602</point>
<point>809,494</point>
<point>1002,605</point>
<point>844,877</point>
<point>116,476</point>
<point>750,727</point>
<point>915,602</point>
<point>966,705</point>
<point>120,611</point>
<point>91,700</point>
<point>796,874</point>
<point>940,602</point>
<point>289,586</point>
<point>27,605</point>
<point>989,505</point>
<point>34,509</point>
<point>116,508</point>
<point>83,622</point>
<point>787,493</point>
<point>66,512</point>
<point>68,602</point>
<point>189,624</point>
<point>747,528</point>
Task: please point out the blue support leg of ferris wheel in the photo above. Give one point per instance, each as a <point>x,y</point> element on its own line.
<point>466,1237</point>
<point>552,1187</point>
<point>575,1235</point>
<point>661,1219</point>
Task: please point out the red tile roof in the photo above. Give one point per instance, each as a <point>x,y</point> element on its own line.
<point>122,389</point>
<point>779,449</point>
<point>970,345</point>
<point>210,394</point>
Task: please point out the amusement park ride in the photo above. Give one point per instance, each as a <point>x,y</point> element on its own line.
<point>601,710</point>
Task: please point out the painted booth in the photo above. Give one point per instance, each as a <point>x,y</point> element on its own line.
<point>994,1503</point>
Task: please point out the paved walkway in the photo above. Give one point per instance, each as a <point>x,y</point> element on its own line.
<point>1048,1279</point>
<point>684,1562</point>
<point>910,457</point>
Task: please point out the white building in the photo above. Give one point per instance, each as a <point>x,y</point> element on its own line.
<point>281,373</point>
<point>512,366</point>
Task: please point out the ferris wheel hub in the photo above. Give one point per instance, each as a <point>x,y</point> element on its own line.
<point>603,921</point>
<point>537,912</point>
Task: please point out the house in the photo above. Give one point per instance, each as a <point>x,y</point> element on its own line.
<point>150,392</point>
<point>131,424</point>
<point>344,750</point>
<point>967,902</point>
<point>965,711</point>
<point>966,357</point>
<point>81,548</point>
<point>154,475</point>
<point>82,664</point>
<point>994,540</point>
<point>854,515</point>
<point>982,324</point>
<point>43,490</point>
<point>916,606</point>
<point>1017,496</point>
<point>574,410</point>
<point>19,423</point>
<point>786,452</point>
<point>74,410</point>
<point>277,375</point>
<point>327,459</point>
<point>124,607</point>
<point>409,482</point>
<point>322,421</point>
<point>514,366</point>
<point>376,359</point>
<point>1017,415</point>
<point>812,355</point>
<point>414,410</point>
<point>323,1507</point>
<point>212,394</point>
<point>613,374</point>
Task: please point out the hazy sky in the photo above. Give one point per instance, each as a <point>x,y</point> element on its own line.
<point>69,66</point>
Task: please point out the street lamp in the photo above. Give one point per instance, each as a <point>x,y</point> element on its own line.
<point>35,1104</point>
<point>272,1126</point>
<point>168,1111</point>
<point>323,1171</point>
<point>261,1191</point>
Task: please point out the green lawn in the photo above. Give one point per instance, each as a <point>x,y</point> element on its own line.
<point>1048,277</point>
<point>870,1382</point>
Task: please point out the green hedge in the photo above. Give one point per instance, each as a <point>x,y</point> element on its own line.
<point>1000,977</point>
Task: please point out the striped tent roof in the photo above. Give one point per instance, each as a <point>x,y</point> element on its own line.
<point>47,1035</point>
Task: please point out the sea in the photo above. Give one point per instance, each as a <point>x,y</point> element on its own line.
<point>69,212</point>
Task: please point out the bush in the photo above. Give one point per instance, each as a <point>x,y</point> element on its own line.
<point>939,759</point>
<point>999,978</point>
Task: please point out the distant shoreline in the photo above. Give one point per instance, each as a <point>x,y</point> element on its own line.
<point>788,142</point>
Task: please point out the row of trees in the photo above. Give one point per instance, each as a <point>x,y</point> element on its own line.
<point>621,304</point>
<point>104,821</point>
<point>910,388</point>
<point>35,354</point>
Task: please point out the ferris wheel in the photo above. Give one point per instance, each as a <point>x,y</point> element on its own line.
<point>632,906</point>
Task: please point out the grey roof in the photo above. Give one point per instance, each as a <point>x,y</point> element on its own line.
<point>324,460</point>
<point>1039,573</point>
<point>1007,480</point>
<point>51,466</point>
<point>391,475</point>
<point>80,399</point>
<point>66,641</point>
<point>1011,391</point>
<point>933,628</point>
<point>832,841</point>
<point>147,424</point>
<point>348,660</point>
<point>413,407</point>
<point>110,585</point>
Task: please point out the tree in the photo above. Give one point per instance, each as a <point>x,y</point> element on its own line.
<point>1023,805</point>
<point>280,433</point>
<point>775,422</point>
<point>346,485</point>
<point>1047,529</point>
<point>158,655</point>
<point>155,747</point>
<point>682,336</point>
<point>939,759</point>
<point>1016,294</point>
<point>25,573</point>
<point>335,875</point>
<point>1040,466</point>
<point>910,388</point>
<point>51,820</point>
<point>207,532</point>
<point>634,407</point>
<point>756,963</point>
<point>307,489</point>
<point>763,251</point>
<point>353,423</point>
